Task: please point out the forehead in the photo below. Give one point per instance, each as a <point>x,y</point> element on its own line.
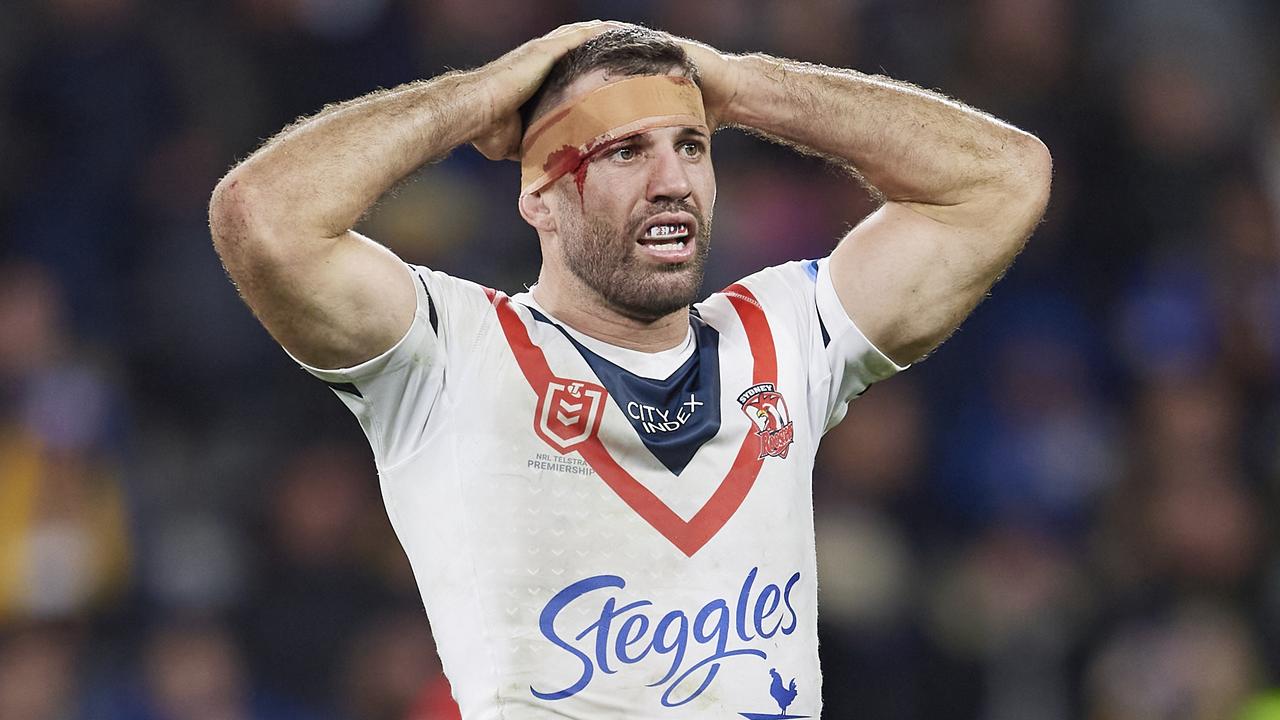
<point>598,79</point>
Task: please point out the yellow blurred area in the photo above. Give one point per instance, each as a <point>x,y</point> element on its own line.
<point>1262,707</point>
<point>64,544</point>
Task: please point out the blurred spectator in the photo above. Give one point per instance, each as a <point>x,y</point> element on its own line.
<point>1246,275</point>
<point>320,574</point>
<point>878,452</point>
<point>64,546</point>
<point>1196,664</point>
<point>89,102</point>
<point>1016,601</point>
<point>1185,515</point>
<point>391,672</point>
<point>38,675</point>
<point>192,670</point>
<point>1032,439</point>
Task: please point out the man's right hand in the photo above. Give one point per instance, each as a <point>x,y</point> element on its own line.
<point>513,78</point>
<point>282,220</point>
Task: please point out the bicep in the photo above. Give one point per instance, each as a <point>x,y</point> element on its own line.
<point>336,303</point>
<point>908,279</point>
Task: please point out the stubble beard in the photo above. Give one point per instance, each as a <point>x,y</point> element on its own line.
<point>608,261</point>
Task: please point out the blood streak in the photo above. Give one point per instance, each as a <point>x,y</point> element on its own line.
<point>569,159</point>
<point>564,160</point>
<point>580,178</point>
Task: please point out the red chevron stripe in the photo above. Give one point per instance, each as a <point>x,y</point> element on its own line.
<point>689,536</point>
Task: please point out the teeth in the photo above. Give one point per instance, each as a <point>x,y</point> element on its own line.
<point>666,230</point>
<point>667,246</point>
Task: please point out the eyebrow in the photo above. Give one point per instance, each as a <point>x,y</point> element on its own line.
<point>612,144</point>
<point>641,139</point>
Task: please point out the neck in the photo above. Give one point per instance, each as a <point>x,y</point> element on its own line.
<point>588,313</point>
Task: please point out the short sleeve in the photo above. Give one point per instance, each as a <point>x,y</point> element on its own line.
<point>841,362</point>
<point>393,394</point>
<point>854,361</point>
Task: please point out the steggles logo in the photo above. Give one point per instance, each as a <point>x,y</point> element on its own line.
<point>687,645</point>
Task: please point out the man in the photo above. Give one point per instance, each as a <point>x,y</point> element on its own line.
<point>605,494</point>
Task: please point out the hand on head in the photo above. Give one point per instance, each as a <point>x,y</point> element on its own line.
<point>719,80</point>
<point>517,76</point>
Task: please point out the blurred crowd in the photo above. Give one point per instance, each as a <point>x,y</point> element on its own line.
<point>1063,514</point>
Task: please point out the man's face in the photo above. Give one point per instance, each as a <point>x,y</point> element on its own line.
<point>634,222</point>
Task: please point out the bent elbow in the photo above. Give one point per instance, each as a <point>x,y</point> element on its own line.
<point>230,211</point>
<point>1037,171</point>
<point>243,231</point>
<point>1030,178</point>
<point>240,221</point>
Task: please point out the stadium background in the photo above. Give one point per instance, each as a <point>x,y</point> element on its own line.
<point>1066,513</point>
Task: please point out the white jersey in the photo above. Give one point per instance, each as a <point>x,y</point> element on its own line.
<point>600,533</point>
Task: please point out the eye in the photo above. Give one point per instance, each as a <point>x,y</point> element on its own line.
<point>624,153</point>
<point>691,148</point>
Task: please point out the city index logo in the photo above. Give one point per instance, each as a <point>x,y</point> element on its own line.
<point>695,643</point>
<point>654,419</point>
<point>768,410</point>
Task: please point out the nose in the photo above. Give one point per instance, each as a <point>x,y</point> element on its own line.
<point>668,177</point>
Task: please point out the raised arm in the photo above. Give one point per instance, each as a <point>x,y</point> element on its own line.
<point>281,220</point>
<point>962,190</point>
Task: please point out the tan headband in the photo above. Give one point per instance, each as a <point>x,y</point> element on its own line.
<point>559,141</point>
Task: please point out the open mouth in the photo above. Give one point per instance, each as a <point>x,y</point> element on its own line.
<point>666,237</point>
<point>669,237</point>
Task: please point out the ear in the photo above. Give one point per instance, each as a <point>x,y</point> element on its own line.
<point>534,210</point>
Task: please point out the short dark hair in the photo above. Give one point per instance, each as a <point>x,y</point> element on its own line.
<point>626,51</point>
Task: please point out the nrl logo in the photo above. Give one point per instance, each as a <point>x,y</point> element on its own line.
<point>768,410</point>
<point>569,413</point>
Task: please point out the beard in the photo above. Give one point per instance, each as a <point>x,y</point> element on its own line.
<point>607,260</point>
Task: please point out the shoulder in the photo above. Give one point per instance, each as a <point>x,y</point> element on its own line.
<point>446,287</point>
<point>780,290</point>
<point>450,303</point>
<point>791,278</point>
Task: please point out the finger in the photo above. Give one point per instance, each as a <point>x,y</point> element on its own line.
<point>503,142</point>
<point>570,36</point>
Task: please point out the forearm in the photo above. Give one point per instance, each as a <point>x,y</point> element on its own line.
<point>913,146</point>
<point>319,176</point>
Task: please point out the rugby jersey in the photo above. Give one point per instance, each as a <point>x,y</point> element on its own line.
<point>600,533</point>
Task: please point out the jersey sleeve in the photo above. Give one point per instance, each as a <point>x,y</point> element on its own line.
<point>841,361</point>
<point>394,394</point>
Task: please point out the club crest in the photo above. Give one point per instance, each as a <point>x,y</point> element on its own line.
<point>768,410</point>
<point>569,413</point>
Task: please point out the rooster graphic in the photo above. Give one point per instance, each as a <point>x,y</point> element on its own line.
<point>768,410</point>
<point>782,694</point>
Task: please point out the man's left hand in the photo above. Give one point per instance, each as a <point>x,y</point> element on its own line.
<point>720,78</point>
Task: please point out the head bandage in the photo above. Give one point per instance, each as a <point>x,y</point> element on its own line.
<point>563,138</point>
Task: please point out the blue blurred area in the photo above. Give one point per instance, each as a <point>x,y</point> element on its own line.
<point>1061,514</point>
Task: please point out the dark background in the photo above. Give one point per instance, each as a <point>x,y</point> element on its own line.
<point>1065,513</point>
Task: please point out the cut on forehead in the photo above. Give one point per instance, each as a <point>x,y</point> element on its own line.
<point>622,52</point>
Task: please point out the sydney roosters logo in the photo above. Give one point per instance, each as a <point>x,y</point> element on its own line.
<point>768,410</point>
